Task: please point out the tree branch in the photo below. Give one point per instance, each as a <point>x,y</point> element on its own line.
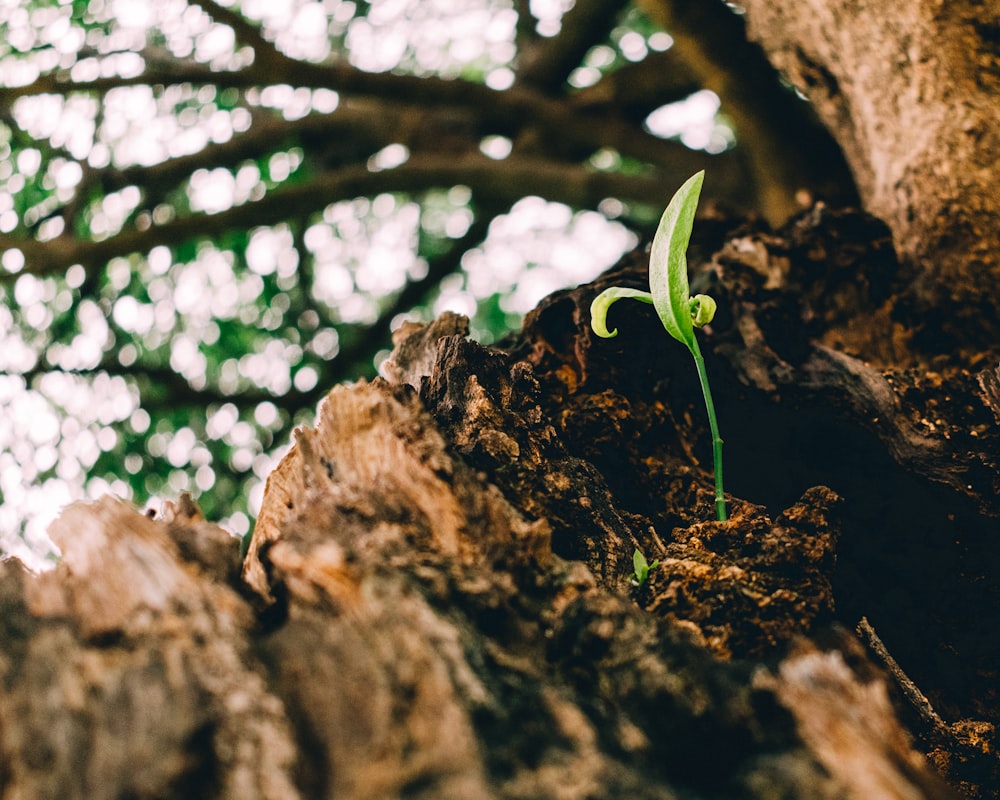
<point>161,388</point>
<point>635,90</point>
<point>507,180</point>
<point>788,150</point>
<point>553,60</point>
<point>507,111</point>
<point>245,32</point>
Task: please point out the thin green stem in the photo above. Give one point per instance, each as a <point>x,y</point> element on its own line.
<point>720,501</point>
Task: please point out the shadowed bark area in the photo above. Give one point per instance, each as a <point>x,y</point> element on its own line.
<point>437,603</point>
<point>911,454</point>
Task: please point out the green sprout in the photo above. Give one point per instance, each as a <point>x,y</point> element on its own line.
<point>641,568</point>
<point>669,294</point>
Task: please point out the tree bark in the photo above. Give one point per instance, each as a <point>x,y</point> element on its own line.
<point>909,91</point>
<point>420,639</point>
<point>436,601</point>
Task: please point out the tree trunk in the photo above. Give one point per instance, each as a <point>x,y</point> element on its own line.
<point>437,603</point>
<point>437,599</point>
<point>910,91</point>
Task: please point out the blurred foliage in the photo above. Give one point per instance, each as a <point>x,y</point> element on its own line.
<point>147,353</point>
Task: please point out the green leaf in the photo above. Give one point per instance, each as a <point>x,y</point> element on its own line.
<point>641,567</point>
<point>668,280</point>
<point>599,308</point>
<point>639,562</point>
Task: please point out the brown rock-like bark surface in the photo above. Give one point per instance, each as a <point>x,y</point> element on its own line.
<point>422,641</point>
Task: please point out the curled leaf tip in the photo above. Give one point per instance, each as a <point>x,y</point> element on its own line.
<point>702,310</point>
<point>600,305</point>
<point>599,317</point>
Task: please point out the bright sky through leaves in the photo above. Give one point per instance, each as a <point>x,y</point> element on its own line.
<point>228,314</point>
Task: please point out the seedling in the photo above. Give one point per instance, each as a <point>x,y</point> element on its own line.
<point>669,294</point>
<point>641,568</point>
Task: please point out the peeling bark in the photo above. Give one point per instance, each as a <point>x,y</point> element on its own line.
<point>419,643</point>
<point>128,671</point>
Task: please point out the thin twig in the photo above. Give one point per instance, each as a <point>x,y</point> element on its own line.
<point>917,700</point>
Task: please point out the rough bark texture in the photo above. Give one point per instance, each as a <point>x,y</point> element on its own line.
<point>129,671</point>
<point>910,90</point>
<point>437,602</point>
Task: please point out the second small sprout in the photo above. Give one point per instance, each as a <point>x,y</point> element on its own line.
<point>641,568</point>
